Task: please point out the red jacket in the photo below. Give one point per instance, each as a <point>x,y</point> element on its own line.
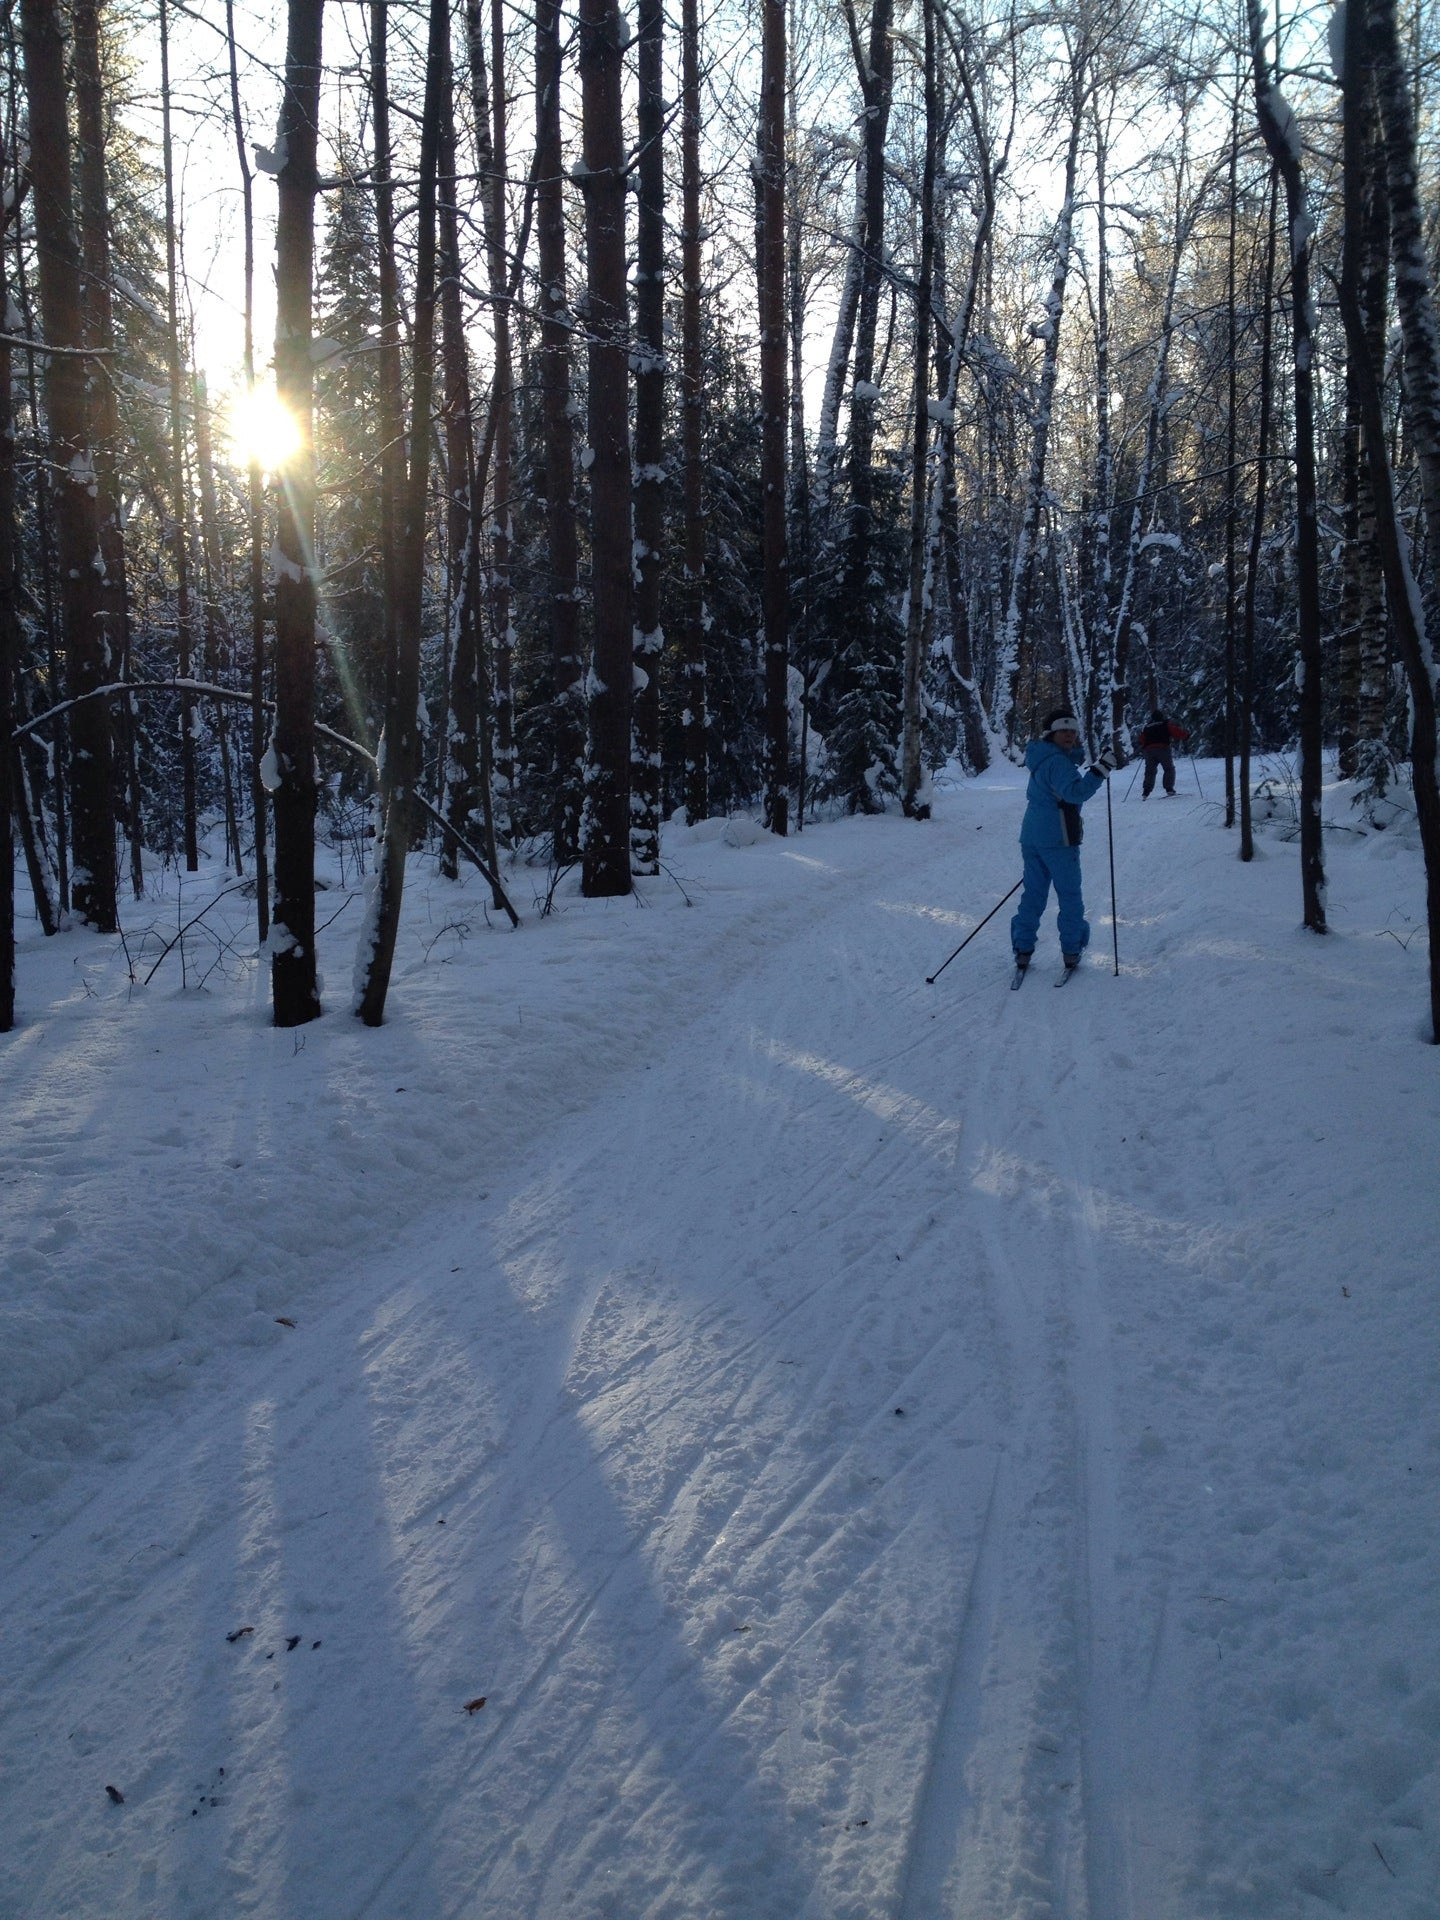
<point>1153,737</point>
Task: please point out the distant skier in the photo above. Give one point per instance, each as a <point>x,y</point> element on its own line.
<point>1157,742</point>
<point>1060,784</point>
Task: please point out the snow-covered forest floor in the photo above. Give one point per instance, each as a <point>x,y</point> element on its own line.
<point>874,1449</point>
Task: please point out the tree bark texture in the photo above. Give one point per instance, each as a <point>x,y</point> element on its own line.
<point>467,716</point>
<point>488,110</point>
<point>401,758</point>
<point>917,625</point>
<point>259,799</point>
<point>1280,132</point>
<point>875,69</point>
<point>696,763</point>
<point>649,361</point>
<point>606,829</point>
<point>293,979</point>
<point>104,414</point>
<point>72,466</point>
<point>567,752</point>
<point>178,528</point>
<point>775,583</point>
<point>1012,646</point>
<point>9,658</point>
<point>1372,43</point>
<point>1363,648</point>
<point>1257,525</point>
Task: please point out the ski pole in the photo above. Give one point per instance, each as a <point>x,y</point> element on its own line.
<point>1114,914</point>
<point>931,978</point>
<point>1196,771</point>
<point>1133,778</point>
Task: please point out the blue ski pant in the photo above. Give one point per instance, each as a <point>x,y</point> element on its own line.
<point>1044,867</point>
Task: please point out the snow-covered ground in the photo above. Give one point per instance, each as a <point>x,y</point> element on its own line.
<point>759,1435</point>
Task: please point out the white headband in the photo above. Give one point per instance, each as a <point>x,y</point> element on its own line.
<point>1066,723</point>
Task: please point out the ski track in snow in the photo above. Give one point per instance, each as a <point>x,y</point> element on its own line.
<point>871,1456</point>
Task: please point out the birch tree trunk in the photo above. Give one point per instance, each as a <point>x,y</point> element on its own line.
<point>775,584</point>
<point>1007,674</point>
<point>562,546</point>
<point>945,531</point>
<point>606,830</point>
<point>875,70</point>
<point>293,976</point>
<point>917,624</point>
<point>1281,133</point>
<point>649,359</point>
<point>1117,665</point>
<point>827,447</point>
<point>72,467</point>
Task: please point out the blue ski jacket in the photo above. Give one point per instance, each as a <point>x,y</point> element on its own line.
<point>1057,791</point>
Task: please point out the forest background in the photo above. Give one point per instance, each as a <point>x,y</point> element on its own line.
<point>747,409</point>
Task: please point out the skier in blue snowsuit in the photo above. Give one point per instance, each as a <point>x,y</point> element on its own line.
<point>1060,784</point>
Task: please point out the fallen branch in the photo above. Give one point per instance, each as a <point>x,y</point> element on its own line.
<point>210,691</point>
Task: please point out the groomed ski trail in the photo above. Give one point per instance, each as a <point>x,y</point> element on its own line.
<point>753,1452</point>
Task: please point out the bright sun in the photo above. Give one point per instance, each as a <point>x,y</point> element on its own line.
<point>260,429</point>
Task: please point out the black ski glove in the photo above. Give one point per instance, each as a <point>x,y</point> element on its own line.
<point>1104,763</point>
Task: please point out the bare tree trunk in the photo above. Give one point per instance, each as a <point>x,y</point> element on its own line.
<point>259,799</point>
<point>1007,674</point>
<point>1232,448</point>
<point>649,361</point>
<point>9,661</point>
<point>488,111</point>
<point>178,529</point>
<point>390,394</point>
<point>1118,665</point>
<point>945,532</point>
<point>468,709</point>
<point>802,549</point>
<point>72,465</point>
<point>875,69</point>
<point>100,332</point>
<point>1098,610</point>
<point>292,934</point>
<point>1281,134</point>
<point>775,584</point>
<point>827,450</point>
<point>214,621</point>
<point>1257,525</point>
<point>606,829</point>
<point>1372,43</point>
<point>917,625</point>
<point>401,756</point>
<point>697,772</point>
<point>566,695</point>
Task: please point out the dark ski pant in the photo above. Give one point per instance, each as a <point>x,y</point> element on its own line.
<point>1155,758</point>
<point>1046,867</point>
